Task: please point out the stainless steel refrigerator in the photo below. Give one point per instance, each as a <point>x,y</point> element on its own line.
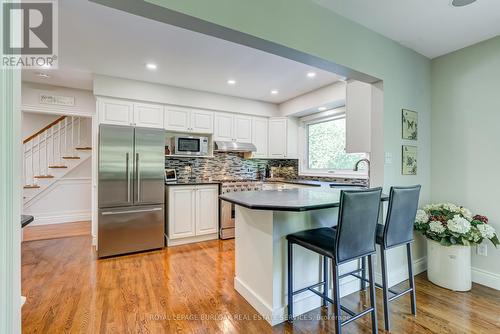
<point>131,189</point>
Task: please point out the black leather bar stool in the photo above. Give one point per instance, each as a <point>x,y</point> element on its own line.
<point>354,239</point>
<point>398,231</point>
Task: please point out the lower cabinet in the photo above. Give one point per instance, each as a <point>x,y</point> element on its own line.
<point>192,214</point>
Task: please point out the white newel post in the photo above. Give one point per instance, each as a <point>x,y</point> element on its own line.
<point>449,266</point>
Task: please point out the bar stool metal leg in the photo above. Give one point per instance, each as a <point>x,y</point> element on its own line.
<point>385,289</point>
<point>363,274</point>
<point>411,280</point>
<point>325,279</point>
<point>336,298</point>
<point>290,282</point>
<point>373,302</point>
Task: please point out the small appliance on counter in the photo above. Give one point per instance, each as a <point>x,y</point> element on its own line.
<point>170,175</point>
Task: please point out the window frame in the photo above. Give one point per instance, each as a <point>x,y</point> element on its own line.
<point>304,170</point>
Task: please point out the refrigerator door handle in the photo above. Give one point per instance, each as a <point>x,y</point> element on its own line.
<point>138,176</point>
<point>128,176</point>
<point>130,211</point>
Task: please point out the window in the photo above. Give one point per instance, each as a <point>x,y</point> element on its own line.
<point>325,142</point>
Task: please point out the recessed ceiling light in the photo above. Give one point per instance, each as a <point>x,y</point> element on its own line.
<point>461,3</point>
<point>311,74</point>
<point>42,75</point>
<point>231,82</point>
<point>322,108</point>
<point>151,66</point>
<point>274,92</point>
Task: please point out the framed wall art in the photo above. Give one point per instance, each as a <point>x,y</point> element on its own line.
<point>409,160</point>
<point>409,124</point>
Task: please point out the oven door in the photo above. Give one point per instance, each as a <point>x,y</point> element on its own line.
<point>188,145</point>
<point>227,220</point>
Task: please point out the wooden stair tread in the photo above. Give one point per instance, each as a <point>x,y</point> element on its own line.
<point>44,176</point>
<point>31,186</point>
<point>58,166</point>
<point>83,148</point>
<point>71,158</point>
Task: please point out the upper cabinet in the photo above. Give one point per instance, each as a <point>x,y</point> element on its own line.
<point>233,127</point>
<point>148,115</point>
<point>183,119</point>
<point>117,112</point>
<point>283,138</point>
<point>122,112</point>
<point>358,117</point>
<point>260,136</point>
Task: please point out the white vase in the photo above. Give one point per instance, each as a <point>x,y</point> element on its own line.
<point>449,266</point>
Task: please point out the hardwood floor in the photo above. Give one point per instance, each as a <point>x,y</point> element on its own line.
<point>169,291</point>
<point>52,231</point>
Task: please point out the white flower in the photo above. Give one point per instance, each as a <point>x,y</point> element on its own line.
<point>451,207</point>
<point>466,213</point>
<point>436,227</point>
<point>459,225</point>
<point>422,217</point>
<point>486,231</point>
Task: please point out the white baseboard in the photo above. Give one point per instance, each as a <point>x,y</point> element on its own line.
<point>65,217</point>
<point>401,274</point>
<point>190,240</point>
<point>486,278</point>
<point>303,303</point>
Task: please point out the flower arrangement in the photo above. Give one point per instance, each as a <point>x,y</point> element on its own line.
<point>450,224</point>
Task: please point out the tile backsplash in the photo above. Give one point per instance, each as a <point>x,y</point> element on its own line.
<point>234,166</point>
<point>228,166</point>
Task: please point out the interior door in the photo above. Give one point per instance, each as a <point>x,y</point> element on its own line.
<point>116,149</point>
<point>149,164</point>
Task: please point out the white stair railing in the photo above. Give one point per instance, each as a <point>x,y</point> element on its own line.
<point>37,157</point>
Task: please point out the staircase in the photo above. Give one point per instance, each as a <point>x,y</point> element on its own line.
<point>51,153</point>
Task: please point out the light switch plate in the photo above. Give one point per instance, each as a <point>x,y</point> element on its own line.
<point>388,158</point>
<point>482,250</point>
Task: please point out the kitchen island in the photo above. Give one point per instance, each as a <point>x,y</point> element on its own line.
<point>263,219</point>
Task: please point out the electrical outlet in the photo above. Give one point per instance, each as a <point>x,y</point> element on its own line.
<point>482,250</point>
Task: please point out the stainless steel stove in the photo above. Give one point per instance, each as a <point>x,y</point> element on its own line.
<point>227,211</point>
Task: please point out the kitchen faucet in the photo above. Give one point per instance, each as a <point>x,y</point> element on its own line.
<point>356,168</point>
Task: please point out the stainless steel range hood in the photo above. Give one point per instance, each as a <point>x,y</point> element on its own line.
<point>231,146</point>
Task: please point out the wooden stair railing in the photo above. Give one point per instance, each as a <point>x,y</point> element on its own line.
<point>49,147</point>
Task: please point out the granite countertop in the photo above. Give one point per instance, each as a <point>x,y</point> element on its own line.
<point>314,183</point>
<point>193,182</point>
<point>303,199</point>
<point>25,220</point>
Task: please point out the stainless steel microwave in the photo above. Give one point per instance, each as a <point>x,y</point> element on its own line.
<point>191,145</point>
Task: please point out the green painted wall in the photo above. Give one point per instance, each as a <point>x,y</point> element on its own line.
<point>307,27</point>
<point>466,134</point>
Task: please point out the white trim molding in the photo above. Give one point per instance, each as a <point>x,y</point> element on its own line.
<point>10,198</point>
<point>486,278</point>
<point>55,109</point>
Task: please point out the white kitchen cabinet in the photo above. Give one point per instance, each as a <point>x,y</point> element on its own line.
<point>283,138</point>
<point>177,118</point>
<point>181,212</point>
<point>224,127</point>
<point>193,213</point>
<point>181,119</point>
<point>202,121</point>
<point>233,127</point>
<point>242,129</point>
<point>117,112</point>
<point>207,209</point>
<point>148,115</point>
<point>260,135</point>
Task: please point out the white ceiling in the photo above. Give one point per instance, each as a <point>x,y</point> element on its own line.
<point>430,27</point>
<point>98,39</point>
